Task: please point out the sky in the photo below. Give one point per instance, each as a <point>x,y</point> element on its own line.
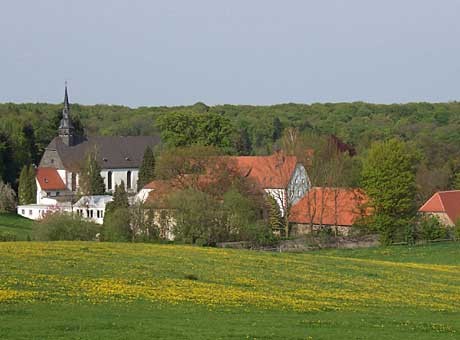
<point>261,52</point>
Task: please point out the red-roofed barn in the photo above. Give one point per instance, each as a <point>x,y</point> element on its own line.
<point>336,207</point>
<point>445,205</point>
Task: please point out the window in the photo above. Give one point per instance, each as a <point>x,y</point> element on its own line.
<point>30,212</point>
<point>109,180</point>
<point>23,211</point>
<point>128,180</point>
<point>48,194</point>
<point>57,193</point>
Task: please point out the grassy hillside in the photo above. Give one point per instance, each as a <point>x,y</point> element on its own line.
<point>97,290</point>
<point>15,225</point>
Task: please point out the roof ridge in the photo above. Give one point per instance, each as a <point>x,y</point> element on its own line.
<point>442,203</point>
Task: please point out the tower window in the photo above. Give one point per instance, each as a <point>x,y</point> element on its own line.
<point>109,180</point>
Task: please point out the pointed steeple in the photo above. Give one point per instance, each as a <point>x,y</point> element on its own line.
<point>66,129</point>
<point>66,100</point>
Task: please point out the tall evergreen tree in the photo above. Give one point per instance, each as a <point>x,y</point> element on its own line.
<point>147,169</point>
<point>120,196</point>
<point>32,183</point>
<point>91,181</point>
<point>27,185</point>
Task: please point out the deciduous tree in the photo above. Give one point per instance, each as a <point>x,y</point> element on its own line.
<point>389,180</point>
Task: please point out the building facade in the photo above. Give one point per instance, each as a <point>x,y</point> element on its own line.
<point>57,175</point>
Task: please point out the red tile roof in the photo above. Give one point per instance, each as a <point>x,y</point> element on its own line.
<point>270,172</point>
<point>444,202</point>
<point>329,206</point>
<point>49,179</point>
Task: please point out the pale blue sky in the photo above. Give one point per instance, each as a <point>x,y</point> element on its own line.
<point>148,52</point>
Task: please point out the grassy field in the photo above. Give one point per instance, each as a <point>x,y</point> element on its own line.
<point>15,225</point>
<point>80,290</point>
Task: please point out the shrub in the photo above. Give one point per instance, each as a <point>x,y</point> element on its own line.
<point>196,215</point>
<point>454,232</point>
<point>6,236</point>
<point>65,227</point>
<point>7,198</point>
<point>117,226</point>
<point>430,228</point>
<point>142,223</point>
<point>258,234</point>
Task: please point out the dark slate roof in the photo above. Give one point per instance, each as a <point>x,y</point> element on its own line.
<point>113,152</point>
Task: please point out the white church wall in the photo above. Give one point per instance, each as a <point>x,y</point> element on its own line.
<point>63,175</point>
<point>119,175</point>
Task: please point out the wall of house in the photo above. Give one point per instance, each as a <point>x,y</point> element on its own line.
<point>142,195</point>
<point>92,214</point>
<point>443,218</point>
<point>297,188</point>
<point>298,185</point>
<point>166,223</point>
<point>51,159</point>
<point>119,175</point>
<point>38,211</point>
<point>47,197</point>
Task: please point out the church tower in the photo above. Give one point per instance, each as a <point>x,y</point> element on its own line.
<point>66,128</point>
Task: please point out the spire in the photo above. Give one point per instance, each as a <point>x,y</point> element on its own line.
<point>66,122</point>
<point>66,100</point>
<point>66,129</point>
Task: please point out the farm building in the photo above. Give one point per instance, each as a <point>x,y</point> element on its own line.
<point>339,208</point>
<point>445,205</point>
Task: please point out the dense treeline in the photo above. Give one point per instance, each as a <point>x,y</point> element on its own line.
<point>433,129</point>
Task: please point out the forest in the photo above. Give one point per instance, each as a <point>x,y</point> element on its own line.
<point>433,130</point>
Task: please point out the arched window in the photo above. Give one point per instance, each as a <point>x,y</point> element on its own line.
<point>109,180</point>
<point>128,180</point>
<point>74,181</point>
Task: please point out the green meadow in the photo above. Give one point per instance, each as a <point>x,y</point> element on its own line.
<point>18,227</point>
<point>86,290</point>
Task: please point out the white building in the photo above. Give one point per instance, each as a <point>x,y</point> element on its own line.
<point>119,157</point>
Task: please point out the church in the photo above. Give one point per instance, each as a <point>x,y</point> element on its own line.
<point>57,175</point>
